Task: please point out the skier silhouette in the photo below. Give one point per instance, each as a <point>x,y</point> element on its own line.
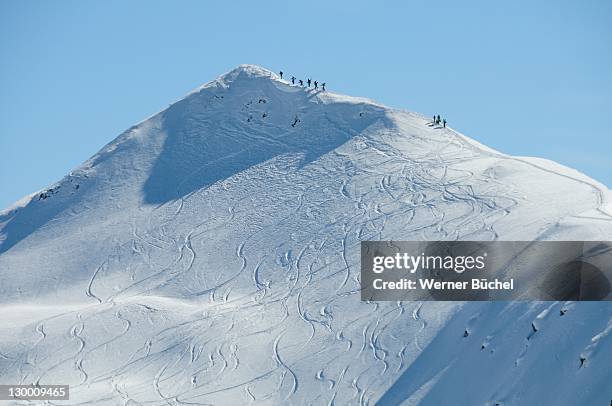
<point>301,82</point>
<point>316,84</point>
<point>438,120</point>
<point>281,74</point>
<point>323,86</point>
<point>434,119</point>
<point>293,80</point>
<point>444,122</point>
<point>308,81</point>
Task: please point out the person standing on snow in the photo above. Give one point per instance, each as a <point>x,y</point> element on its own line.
<point>323,86</point>
<point>281,74</point>
<point>293,80</point>
<point>444,122</point>
<point>308,81</point>
<point>316,84</point>
<point>301,82</point>
<point>438,120</point>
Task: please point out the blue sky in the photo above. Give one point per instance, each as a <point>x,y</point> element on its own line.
<point>525,77</point>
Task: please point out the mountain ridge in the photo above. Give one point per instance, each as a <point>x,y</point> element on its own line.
<point>255,71</point>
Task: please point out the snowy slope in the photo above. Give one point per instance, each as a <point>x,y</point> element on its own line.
<point>210,255</point>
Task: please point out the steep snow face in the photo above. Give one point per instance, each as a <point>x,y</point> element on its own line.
<point>210,255</point>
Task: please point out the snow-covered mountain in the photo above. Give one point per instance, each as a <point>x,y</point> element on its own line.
<point>210,255</point>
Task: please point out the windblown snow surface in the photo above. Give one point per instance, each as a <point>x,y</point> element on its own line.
<point>210,255</point>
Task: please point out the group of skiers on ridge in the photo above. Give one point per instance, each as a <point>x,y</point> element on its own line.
<point>436,120</point>
<point>308,82</point>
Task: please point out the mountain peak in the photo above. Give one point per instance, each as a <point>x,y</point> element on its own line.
<point>247,70</point>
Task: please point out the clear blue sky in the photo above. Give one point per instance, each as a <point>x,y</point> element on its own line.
<point>525,77</point>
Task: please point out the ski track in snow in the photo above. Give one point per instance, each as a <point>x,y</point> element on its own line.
<point>246,291</point>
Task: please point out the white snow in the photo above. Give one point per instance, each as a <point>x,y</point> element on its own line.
<point>210,255</point>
